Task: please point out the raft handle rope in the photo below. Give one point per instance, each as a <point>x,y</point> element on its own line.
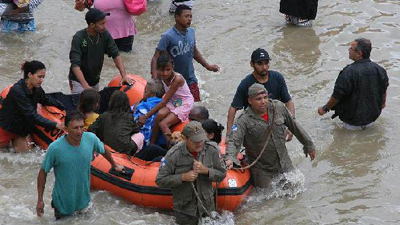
<point>55,113</point>
<point>201,202</point>
<point>266,142</point>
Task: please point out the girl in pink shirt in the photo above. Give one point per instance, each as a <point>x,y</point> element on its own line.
<point>176,104</point>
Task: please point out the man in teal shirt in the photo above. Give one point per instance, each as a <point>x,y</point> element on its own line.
<point>70,156</point>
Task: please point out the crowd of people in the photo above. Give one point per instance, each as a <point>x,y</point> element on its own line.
<point>143,130</point>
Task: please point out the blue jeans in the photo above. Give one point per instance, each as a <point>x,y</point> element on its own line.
<point>8,26</point>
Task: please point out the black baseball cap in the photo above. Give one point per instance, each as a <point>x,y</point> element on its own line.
<point>94,15</point>
<point>259,54</point>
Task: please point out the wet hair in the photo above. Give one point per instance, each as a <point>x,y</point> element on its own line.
<point>88,101</point>
<point>363,45</point>
<point>119,103</point>
<point>164,60</point>
<point>180,8</point>
<point>156,87</point>
<point>31,67</point>
<point>199,113</point>
<point>212,127</point>
<point>73,115</point>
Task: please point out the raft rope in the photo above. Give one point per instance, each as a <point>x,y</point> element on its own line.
<point>201,202</point>
<point>269,134</point>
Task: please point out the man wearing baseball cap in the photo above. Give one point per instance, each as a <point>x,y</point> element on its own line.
<point>272,80</point>
<point>261,130</point>
<point>184,164</point>
<point>87,53</point>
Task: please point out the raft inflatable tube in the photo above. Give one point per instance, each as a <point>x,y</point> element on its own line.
<point>134,91</point>
<point>137,185</point>
<point>43,137</point>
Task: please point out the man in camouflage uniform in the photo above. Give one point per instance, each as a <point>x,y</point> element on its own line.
<point>194,160</point>
<point>251,130</point>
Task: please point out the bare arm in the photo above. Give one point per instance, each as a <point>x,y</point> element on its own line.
<point>107,155</point>
<point>153,65</point>
<point>119,63</point>
<point>80,77</point>
<point>178,81</point>
<point>329,105</point>
<point>41,182</point>
<point>384,100</point>
<point>290,107</point>
<point>231,117</point>
<point>199,58</point>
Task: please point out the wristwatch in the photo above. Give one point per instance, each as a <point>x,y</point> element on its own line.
<point>325,108</point>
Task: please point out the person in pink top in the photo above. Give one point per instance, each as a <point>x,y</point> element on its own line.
<point>120,23</point>
<point>176,104</point>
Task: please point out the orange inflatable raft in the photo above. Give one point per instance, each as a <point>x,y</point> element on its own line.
<point>137,184</point>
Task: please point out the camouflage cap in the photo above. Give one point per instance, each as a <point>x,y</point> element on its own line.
<point>256,89</point>
<point>194,131</point>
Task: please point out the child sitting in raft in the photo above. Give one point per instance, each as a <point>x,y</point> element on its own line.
<point>117,129</point>
<point>176,104</point>
<point>213,130</point>
<point>153,93</point>
<point>89,101</point>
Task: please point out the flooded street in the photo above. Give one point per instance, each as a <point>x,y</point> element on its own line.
<point>354,178</point>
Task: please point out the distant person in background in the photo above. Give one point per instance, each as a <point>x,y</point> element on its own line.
<point>89,101</point>
<point>360,89</point>
<point>120,23</point>
<point>87,53</point>
<point>299,12</point>
<point>176,3</point>
<point>180,43</point>
<point>20,19</point>
<point>18,114</point>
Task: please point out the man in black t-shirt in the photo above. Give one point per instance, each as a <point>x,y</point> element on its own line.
<point>87,53</point>
<point>273,81</point>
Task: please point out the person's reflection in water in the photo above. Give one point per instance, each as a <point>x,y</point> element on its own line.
<point>298,47</point>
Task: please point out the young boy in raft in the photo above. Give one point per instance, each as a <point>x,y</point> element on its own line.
<point>176,104</point>
<point>153,93</point>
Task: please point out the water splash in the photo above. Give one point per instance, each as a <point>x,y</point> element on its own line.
<point>287,185</point>
<point>34,156</point>
<point>226,218</point>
